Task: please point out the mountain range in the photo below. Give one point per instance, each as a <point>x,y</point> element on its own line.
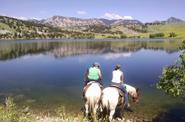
<point>72,26</point>
<point>67,22</point>
<point>60,21</point>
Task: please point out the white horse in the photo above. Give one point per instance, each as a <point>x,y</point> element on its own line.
<point>110,99</point>
<point>92,98</point>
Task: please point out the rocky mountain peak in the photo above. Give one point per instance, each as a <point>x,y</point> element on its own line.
<point>174,20</point>
<point>65,22</point>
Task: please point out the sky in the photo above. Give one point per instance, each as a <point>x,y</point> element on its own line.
<point>143,10</point>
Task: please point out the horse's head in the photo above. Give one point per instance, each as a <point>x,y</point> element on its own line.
<point>135,96</point>
<point>133,92</point>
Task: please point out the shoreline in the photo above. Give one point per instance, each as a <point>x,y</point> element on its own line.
<point>90,40</point>
<point>11,112</point>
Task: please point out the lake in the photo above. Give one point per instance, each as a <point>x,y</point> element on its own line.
<point>45,74</point>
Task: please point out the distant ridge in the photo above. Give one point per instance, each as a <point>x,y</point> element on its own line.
<point>171,20</point>
<point>72,27</point>
<point>174,20</point>
<point>65,22</point>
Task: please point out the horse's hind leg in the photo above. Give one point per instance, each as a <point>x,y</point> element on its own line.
<point>111,115</point>
<point>95,111</point>
<point>86,109</point>
<point>96,108</point>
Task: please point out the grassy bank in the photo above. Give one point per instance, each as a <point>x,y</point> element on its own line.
<point>9,112</point>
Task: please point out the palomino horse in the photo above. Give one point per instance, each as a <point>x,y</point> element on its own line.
<point>110,98</point>
<point>92,98</point>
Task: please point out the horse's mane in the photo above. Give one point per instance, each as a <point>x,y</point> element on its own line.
<point>130,87</point>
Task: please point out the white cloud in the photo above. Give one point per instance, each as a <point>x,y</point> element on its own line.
<point>22,18</point>
<point>116,16</point>
<point>128,17</point>
<point>116,55</point>
<point>17,17</point>
<point>81,12</point>
<point>35,18</point>
<point>25,18</point>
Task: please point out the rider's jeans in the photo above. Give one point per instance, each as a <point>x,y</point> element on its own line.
<point>123,87</point>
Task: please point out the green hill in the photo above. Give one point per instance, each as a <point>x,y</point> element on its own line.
<point>11,28</point>
<point>177,28</point>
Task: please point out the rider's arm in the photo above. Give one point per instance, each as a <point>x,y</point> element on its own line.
<point>100,78</point>
<point>100,75</point>
<point>86,76</point>
<point>122,78</point>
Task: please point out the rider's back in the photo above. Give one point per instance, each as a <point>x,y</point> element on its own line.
<point>116,76</point>
<point>93,73</point>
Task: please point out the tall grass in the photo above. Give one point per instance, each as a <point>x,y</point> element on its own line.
<point>10,113</point>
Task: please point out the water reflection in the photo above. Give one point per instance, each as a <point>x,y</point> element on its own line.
<point>48,74</point>
<point>62,49</point>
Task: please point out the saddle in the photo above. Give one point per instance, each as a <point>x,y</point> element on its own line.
<point>121,92</point>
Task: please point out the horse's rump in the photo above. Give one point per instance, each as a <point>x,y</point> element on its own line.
<point>93,95</point>
<point>88,85</point>
<point>110,95</point>
<point>92,88</point>
<point>111,101</point>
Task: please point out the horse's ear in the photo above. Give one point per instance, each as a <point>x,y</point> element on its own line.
<point>137,90</point>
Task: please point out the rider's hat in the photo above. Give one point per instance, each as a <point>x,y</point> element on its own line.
<point>96,64</point>
<point>118,66</point>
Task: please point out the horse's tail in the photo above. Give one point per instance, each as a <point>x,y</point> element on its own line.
<point>94,98</point>
<point>105,105</point>
<point>91,103</point>
<point>106,109</point>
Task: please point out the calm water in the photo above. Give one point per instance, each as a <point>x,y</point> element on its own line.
<point>47,74</point>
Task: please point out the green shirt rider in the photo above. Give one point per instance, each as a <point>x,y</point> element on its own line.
<point>93,74</point>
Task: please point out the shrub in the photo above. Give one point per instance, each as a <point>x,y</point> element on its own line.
<point>123,36</point>
<point>156,35</point>
<point>172,34</point>
<point>172,80</point>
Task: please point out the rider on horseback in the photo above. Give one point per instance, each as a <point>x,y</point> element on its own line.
<point>92,74</point>
<point>118,80</point>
